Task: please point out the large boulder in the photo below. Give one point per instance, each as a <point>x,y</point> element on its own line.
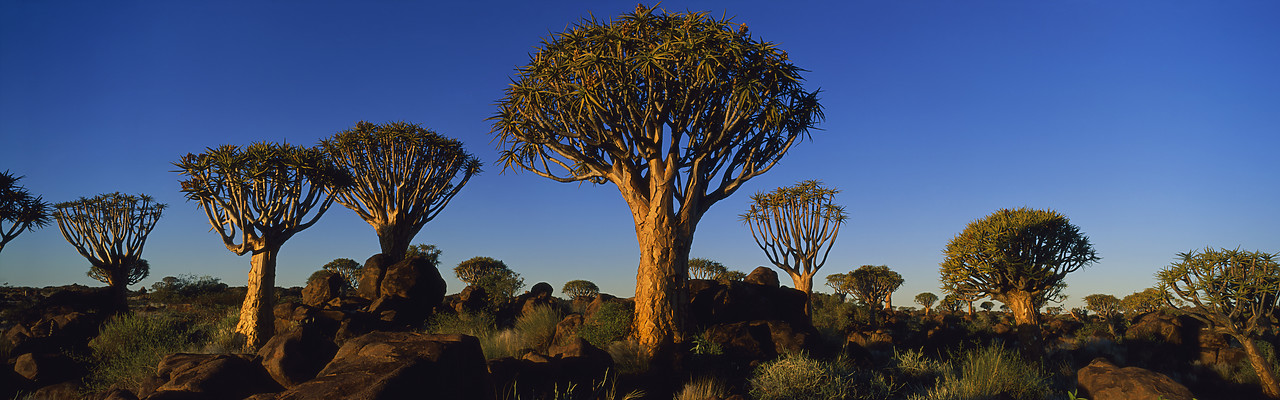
<point>712,302</point>
<point>1102,380</point>
<point>45,369</point>
<point>322,287</point>
<point>752,342</point>
<point>296,356</point>
<point>575,364</point>
<point>375,268</point>
<point>409,292</point>
<point>400,365</point>
<point>763,276</point>
<point>211,376</point>
<point>471,299</point>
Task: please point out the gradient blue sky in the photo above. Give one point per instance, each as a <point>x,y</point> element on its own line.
<point>1153,125</point>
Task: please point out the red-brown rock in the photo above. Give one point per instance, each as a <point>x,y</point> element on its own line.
<point>1102,380</point>
<point>296,356</point>
<point>212,376</point>
<point>322,288</point>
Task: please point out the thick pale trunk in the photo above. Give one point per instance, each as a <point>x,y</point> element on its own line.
<point>394,242</point>
<point>661,295</point>
<point>804,283</point>
<point>1266,376</point>
<point>1023,308</point>
<point>257,314</point>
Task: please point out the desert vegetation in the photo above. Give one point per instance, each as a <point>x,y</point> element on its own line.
<point>677,111</point>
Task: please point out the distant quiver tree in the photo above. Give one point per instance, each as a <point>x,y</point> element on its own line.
<point>926,300</point>
<point>403,175</point>
<point>873,285</point>
<point>796,226</point>
<point>347,268</point>
<point>677,110</point>
<point>580,289</point>
<point>1234,292</point>
<point>701,268</point>
<point>19,209</point>
<point>256,198</point>
<point>499,282</point>
<point>110,231</point>
<point>1019,257</point>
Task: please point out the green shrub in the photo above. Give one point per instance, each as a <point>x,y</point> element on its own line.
<point>703,345</point>
<point>832,316</point>
<point>628,357</point>
<point>988,373</point>
<point>798,377</point>
<point>612,322</point>
<point>538,327</point>
<point>130,346</point>
<point>502,343</point>
<point>479,324</point>
<point>187,289</point>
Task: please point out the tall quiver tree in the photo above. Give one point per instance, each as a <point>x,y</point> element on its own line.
<point>676,110</point>
<point>256,198</point>
<point>110,230</point>
<point>403,175</point>
<point>1234,292</point>
<point>19,209</point>
<point>796,226</point>
<point>1018,257</point>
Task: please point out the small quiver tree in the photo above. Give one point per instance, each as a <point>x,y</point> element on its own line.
<point>1232,291</point>
<point>348,269</point>
<point>796,226</point>
<point>1019,257</point>
<point>1106,307</point>
<point>872,285</point>
<point>701,268</point>
<point>110,230</point>
<point>926,300</point>
<point>499,282</point>
<point>403,176</point>
<point>677,110</point>
<point>256,198</point>
<point>580,289</point>
<point>1137,303</point>
<point>19,209</point>
<point>840,284</point>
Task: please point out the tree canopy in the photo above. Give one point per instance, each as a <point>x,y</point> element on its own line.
<point>347,268</point>
<point>1018,257</point>
<point>403,176</point>
<point>110,231</point>
<point>926,300</point>
<point>873,284</point>
<point>678,110</point>
<point>19,209</point>
<point>498,281</point>
<point>701,268</point>
<point>1233,291</point>
<point>580,289</point>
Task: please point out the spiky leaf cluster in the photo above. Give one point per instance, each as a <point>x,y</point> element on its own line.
<point>701,268</point>
<point>1015,250</point>
<point>1234,290</point>
<point>679,99</point>
<point>264,190</point>
<point>19,209</point>
<point>110,231</point>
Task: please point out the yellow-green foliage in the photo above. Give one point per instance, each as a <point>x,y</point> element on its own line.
<point>985,373</point>
<point>131,345</point>
<point>798,377</point>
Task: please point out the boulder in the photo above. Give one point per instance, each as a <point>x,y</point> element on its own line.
<point>323,287</point>
<point>752,342</point>
<point>712,302</point>
<point>763,276</point>
<point>471,299</point>
<point>212,376</point>
<point>45,369</point>
<point>401,365</point>
<point>371,277</point>
<point>59,391</point>
<point>296,356</point>
<point>581,364</point>
<point>567,329</point>
<point>574,364</point>
<point>1102,380</point>
<point>537,296</point>
<point>409,291</point>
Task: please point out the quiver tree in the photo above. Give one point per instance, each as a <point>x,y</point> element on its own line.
<point>701,268</point>
<point>676,110</point>
<point>1019,257</point>
<point>403,175</point>
<point>1137,303</point>
<point>580,289</point>
<point>499,282</point>
<point>840,284</point>
<point>348,269</point>
<point>873,285</point>
<point>1234,292</point>
<point>256,198</point>
<point>926,300</point>
<point>19,209</point>
<point>110,230</point>
<point>1106,307</point>
<point>796,226</point>
<point>731,276</point>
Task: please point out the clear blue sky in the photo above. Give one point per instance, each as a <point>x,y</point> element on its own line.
<point>1153,125</point>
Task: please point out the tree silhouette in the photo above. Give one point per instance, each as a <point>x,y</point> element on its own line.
<point>1145,301</point>
<point>580,289</point>
<point>701,268</point>
<point>796,226</point>
<point>19,209</point>
<point>110,230</point>
<point>257,198</point>
<point>499,282</point>
<point>347,268</point>
<point>873,285</point>
<point>840,283</point>
<point>403,176</point>
<point>676,110</point>
<point>926,300</point>
<point>1233,292</point>
<point>1018,257</point>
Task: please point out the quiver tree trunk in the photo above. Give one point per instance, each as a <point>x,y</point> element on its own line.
<point>395,240</point>
<point>257,314</point>
<point>118,287</point>
<point>1027,319</point>
<point>661,283</point>
<point>1266,375</point>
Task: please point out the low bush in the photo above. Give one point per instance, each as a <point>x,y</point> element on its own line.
<point>538,326</point>
<point>702,389</point>
<point>629,357</point>
<point>988,373</point>
<point>612,322</point>
<point>129,346</point>
<point>478,324</point>
<point>832,316</point>
<point>799,377</point>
